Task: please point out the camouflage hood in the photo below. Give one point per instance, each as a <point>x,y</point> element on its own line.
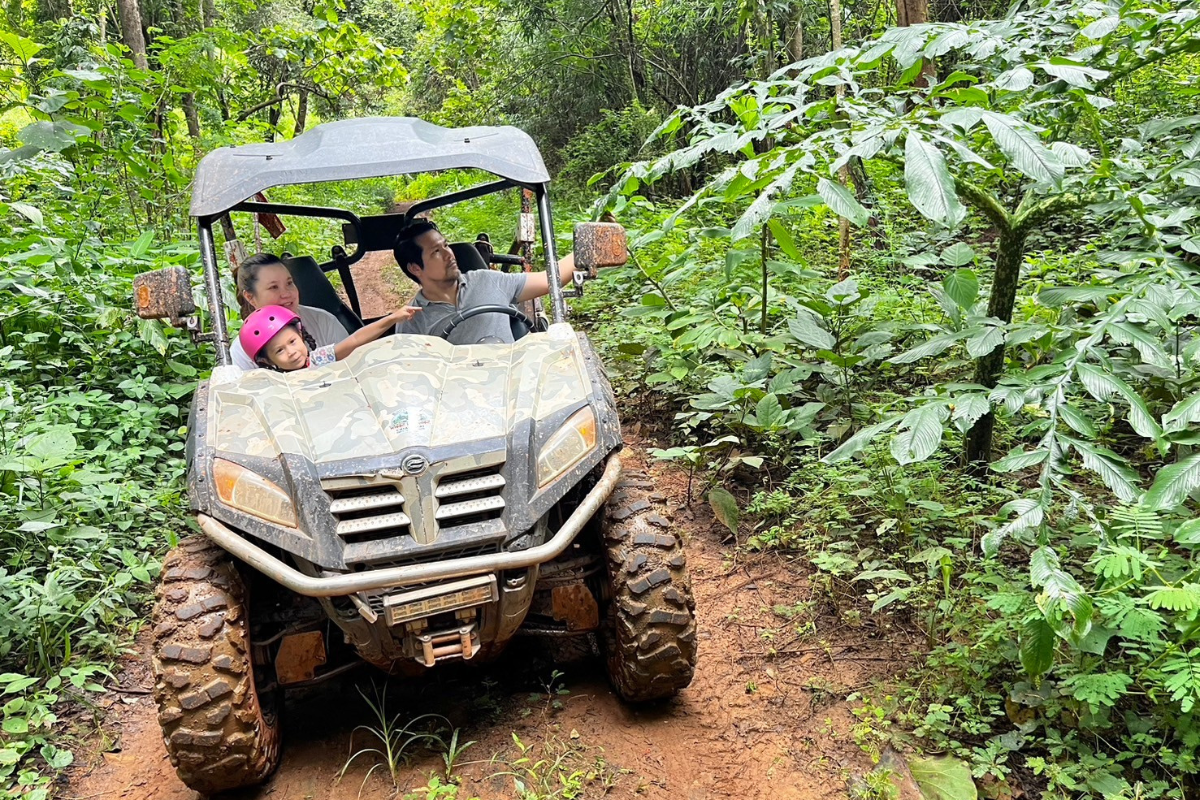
<point>400,392</point>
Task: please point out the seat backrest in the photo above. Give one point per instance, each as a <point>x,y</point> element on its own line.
<point>316,290</point>
<point>467,256</point>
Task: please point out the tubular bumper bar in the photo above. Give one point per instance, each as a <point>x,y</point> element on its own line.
<point>339,585</point>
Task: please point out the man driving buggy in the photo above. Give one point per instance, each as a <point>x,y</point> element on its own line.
<point>425,256</point>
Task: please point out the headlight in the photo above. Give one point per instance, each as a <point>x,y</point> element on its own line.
<point>574,440</point>
<point>248,491</point>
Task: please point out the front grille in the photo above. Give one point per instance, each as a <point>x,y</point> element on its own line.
<point>468,497</point>
<point>452,504</point>
<point>368,513</point>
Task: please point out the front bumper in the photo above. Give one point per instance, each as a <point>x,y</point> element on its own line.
<point>394,577</point>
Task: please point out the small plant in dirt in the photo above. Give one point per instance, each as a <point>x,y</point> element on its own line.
<point>391,745</point>
<point>553,769</point>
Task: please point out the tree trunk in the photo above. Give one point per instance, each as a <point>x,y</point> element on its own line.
<point>301,113</point>
<point>223,104</point>
<point>192,116</point>
<point>208,12</point>
<point>1009,255</point>
<point>835,27</point>
<point>916,12</point>
<point>766,276</point>
<point>131,30</point>
<point>796,45</point>
<point>102,22</point>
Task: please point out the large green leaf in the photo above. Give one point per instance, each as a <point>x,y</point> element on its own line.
<point>968,408</point>
<point>725,508</point>
<point>56,443</point>
<point>783,238</point>
<point>932,347</point>
<point>760,209</point>
<point>769,413</point>
<point>1019,459</point>
<point>1182,414</point>
<point>858,441</point>
<point>930,187</point>
<point>1060,296</point>
<point>805,329</point>
<point>1105,386</point>
<point>920,433</point>
<point>1101,27</point>
<point>958,254</point>
<point>1174,483</point>
<point>984,340</point>
<point>962,286</point>
<point>1037,647</point>
<point>1014,80</point>
<point>1112,469</point>
<point>943,778</point>
<point>1023,148</point>
<point>53,136</point>
<point>31,213</point>
<point>1074,73</point>
<point>1027,515</point>
<point>1076,420</point>
<point>842,202</point>
<point>1061,595</point>
<point>24,49</point>
<point>1147,345</point>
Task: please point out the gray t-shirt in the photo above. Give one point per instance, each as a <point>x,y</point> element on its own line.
<point>320,324</point>
<point>477,288</point>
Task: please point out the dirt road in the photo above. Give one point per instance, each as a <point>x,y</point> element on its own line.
<point>766,716</point>
<point>381,285</point>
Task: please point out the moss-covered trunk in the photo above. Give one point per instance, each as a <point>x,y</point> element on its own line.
<point>1009,256</point>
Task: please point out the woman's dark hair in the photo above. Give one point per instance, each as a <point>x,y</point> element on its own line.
<point>406,250</point>
<point>246,276</point>
<point>264,362</point>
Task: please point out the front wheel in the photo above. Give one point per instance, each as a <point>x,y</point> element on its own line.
<point>649,630</point>
<point>220,733</point>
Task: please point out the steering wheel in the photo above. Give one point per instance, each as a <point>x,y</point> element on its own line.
<point>459,317</point>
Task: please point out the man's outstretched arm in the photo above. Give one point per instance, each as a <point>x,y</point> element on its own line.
<point>537,284</point>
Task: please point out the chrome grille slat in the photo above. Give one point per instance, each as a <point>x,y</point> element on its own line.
<point>384,521</point>
<point>364,502</point>
<point>366,512</point>
<point>450,487</point>
<point>467,507</point>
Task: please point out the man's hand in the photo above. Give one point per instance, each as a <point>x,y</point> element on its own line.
<point>537,284</point>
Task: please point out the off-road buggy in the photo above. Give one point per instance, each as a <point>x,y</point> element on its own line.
<point>431,501</point>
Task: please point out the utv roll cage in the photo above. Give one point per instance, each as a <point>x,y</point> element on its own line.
<point>358,149</point>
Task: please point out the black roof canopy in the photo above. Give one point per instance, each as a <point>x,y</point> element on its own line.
<point>352,149</point>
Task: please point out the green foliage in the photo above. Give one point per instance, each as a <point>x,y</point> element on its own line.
<point>1067,649</point>
<point>92,400</point>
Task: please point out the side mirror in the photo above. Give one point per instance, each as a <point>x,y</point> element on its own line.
<point>599,245</point>
<point>164,294</point>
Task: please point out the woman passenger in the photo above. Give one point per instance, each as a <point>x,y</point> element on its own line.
<point>264,280</point>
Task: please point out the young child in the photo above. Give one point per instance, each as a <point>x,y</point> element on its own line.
<point>274,338</point>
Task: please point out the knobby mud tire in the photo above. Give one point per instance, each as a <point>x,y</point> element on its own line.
<point>217,732</point>
<point>649,631</point>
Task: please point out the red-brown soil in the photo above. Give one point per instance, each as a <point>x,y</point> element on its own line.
<point>752,725</point>
<point>381,285</point>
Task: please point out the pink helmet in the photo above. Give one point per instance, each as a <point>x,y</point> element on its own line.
<point>262,325</point>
